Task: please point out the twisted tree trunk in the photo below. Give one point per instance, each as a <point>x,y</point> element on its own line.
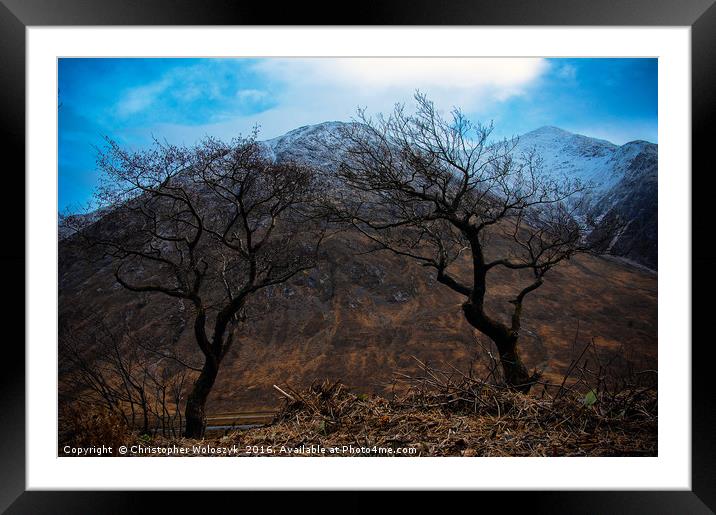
<point>195,413</point>
<point>515,372</point>
<point>516,375</point>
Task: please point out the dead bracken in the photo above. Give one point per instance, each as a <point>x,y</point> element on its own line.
<point>434,412</point>
<point>464,420</point>
<point>448,413</point>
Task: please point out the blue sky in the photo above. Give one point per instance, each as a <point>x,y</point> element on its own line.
<point>183,100</point>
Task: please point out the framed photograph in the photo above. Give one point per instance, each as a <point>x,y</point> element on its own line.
<point>418,249</point>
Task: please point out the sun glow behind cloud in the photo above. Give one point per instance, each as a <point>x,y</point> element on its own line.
<point>389,73</point>
<point>333,88</point>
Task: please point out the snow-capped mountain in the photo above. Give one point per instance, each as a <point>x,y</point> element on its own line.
<point>309,144</point>
<point>572,155</point>
<point>622,179</point>
<point>623,182</point>
<point>595,162</point>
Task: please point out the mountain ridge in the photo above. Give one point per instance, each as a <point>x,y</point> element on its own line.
<point>622,178</point>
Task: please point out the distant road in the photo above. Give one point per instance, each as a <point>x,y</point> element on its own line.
<point>240,420</point>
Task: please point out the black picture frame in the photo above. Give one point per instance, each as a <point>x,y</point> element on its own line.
<point>17,15</point>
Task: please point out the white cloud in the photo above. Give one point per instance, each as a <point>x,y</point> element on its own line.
<point>319,89</point>
<point>251,95</point>
<point>465,82</point>
<point>183,84</point>
<point>567,72</point>
<point>140,98</point>
<point>389,72</point>
<point>312,90</point>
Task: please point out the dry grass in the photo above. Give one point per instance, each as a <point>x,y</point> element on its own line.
<point>448,412</point>
<point>86,427</point>
<point>453,414</point>
<point>467,419</point>
<point>441,412</point>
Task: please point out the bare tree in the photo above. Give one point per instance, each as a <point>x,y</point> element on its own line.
<point>211,225</point>
<point>435,190</point>
<point>117,372</point>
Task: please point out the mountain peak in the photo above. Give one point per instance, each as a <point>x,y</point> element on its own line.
<point>550,129</point>
<point>316,127</point>
<point>549,134</point>
<point>308,144</point>
<point>639,143</point>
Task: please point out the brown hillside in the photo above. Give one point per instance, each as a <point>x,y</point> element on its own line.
<point>359,317</point>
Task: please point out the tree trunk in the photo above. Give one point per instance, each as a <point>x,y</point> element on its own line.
<point>195,414</point>
<point>515,372</point>
<point>516,375</point>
